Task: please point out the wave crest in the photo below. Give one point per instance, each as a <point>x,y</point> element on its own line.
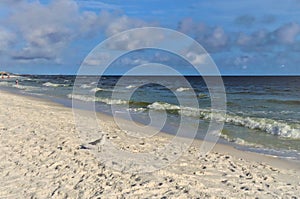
<point>274,127</point>
<point>182,89</point>
<point>88,98</point>
<point>49,84</point>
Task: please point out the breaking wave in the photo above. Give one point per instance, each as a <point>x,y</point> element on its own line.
<point>240,141</point>
<point>130,86</point>
<point>94,90</point>
<point>202,96</point>
<point>26,88</point>
<point>85,86</point>
<point>97,99</point>
<point>271,126</point>
<point>4,84</point>
<point>274,127</point>
<point>49,84</point>
<point>182,89</point>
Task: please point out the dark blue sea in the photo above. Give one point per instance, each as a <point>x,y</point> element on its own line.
<point>263,113</point>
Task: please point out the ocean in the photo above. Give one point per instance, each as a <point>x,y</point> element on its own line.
<point>263,113</point>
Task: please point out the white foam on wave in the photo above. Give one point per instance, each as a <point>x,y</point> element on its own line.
<point>202,95</point>
<point>81,97</point>
<point>130,86</point>
<point>94,90</point>
<point>271,126</point>
<point>97,99</point>
<point>137,110</point>
<point>85,86</point>
<point>246,143</point>
<point>49,84</point>
<point>162,106</point>
<point>240,141</point>
<point>4,84</point>
<point>182,89</point>
<point>187,111</point>
<point>111,101</point>
<point>26,88</point>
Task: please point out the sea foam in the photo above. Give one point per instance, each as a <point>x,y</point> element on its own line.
<point>182,89</point>
<point>88,98</point>
<point>271,126</point>
<point>49,84</point>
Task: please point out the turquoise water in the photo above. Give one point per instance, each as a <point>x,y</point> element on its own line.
<point>263,113</point>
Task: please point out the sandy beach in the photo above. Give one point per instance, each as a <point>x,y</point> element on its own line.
<point>42,156</point>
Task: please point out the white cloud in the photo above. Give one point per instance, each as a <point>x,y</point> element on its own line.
<point>197,59</point>
<point>243,39</point>
<point>188,26</point>
<point>260,40</point>
<point>140,38</point>
<point>97,59</point>
<point>28,53</point>
<point>218,39</point>
<point>285,36</point>
<point>123,23</point>
<point>6,39</point>
<point>96,5</point>
<point>242,60</point>
<point>244,67</point>
<point>213,39</point>
<point>287,33</point>
<point>45,30</point>
<point>133,61</point>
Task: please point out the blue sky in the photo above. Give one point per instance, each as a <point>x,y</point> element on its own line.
<point>250,37</point>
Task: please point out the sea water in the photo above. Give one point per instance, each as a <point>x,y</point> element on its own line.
<point>263,113</point>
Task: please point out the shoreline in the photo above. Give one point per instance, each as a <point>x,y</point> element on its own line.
<point>41,156</point>
<point>218,147</point>
<point>243,133</point>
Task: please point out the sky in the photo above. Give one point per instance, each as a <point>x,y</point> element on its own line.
<point>250,37</point>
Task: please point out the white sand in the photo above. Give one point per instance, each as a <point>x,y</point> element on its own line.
<point>41,157</point>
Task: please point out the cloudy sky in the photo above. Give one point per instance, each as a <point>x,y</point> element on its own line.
<point>252,37</point>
